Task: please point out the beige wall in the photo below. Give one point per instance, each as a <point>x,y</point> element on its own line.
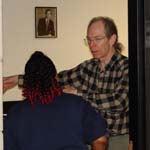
<point>68,49</point>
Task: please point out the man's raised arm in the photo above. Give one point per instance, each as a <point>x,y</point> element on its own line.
<point>9,82</point>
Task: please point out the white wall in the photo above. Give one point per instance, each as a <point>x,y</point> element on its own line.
<point>68,49</point>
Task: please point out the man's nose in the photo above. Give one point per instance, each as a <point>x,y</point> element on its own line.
<point>92,43</point>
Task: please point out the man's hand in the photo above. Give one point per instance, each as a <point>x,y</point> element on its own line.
<point>130,146</point>
<point>100,143</point>
<point>70,90</point>
<point>9,82</point>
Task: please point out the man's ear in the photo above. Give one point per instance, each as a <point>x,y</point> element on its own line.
<point>113,39</point>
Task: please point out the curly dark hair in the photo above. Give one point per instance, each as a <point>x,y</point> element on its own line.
<point>40,79</point>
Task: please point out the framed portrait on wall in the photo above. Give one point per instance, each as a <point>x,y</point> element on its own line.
<point>45,22</point>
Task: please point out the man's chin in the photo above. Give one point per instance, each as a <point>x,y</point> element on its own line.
<point>96,56</point>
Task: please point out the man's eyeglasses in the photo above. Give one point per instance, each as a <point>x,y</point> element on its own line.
<point>96,40</point>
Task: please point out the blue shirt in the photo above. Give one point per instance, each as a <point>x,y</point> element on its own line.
<point>69,123</point>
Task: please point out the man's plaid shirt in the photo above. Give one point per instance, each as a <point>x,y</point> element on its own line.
<point>106,89</point>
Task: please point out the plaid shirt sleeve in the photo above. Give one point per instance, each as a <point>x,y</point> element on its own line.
<point>104,97</point>
<point>72,77</point>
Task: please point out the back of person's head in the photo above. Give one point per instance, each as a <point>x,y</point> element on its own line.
<point>40,79</point>
<point>110,29</point>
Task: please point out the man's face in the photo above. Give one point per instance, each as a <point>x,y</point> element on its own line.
<point>48,14</point>
<point>99,44</point>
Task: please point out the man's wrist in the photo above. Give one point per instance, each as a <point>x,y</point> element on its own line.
<point>20,81</point>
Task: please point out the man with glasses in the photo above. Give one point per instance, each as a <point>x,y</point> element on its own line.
<point>102,80</point>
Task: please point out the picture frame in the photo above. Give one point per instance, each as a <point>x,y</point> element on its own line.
<point>45,22</point>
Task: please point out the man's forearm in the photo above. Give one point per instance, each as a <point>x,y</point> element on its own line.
<point>9,82</point>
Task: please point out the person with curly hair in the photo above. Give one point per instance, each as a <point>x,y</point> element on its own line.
<point>48,118</point>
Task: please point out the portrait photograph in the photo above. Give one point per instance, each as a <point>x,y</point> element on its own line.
<point>45,22</point>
